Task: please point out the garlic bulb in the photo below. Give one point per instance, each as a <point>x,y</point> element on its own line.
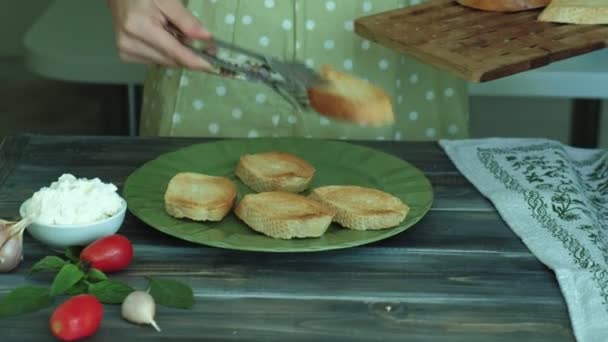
<point>11,243</point>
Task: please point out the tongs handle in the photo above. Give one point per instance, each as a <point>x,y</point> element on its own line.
<point>259,73</point>
<point>290,80</point>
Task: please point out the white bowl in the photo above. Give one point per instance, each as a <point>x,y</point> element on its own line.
<point>59,237</point>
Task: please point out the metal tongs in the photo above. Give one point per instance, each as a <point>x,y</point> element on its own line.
<point>291,80</point>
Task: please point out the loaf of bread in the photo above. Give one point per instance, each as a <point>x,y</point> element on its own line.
<point>504,5</point>
<point>199,197</point>
<point>361,208</point>
<point>347,98</point>
<point>284,215</point>
<point>275,171</point>
<point>576,12</point>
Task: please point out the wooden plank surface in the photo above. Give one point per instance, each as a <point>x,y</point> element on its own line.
<point>476,45</point>
<point>459,275</point>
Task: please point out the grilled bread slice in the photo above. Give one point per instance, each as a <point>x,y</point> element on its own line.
<point>284,215</point>
<point>275,171</point>
<point>199,197</point>
<point>361,208</point>
<point>347,98</point>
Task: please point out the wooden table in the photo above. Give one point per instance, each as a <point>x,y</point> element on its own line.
<point>459,275</point>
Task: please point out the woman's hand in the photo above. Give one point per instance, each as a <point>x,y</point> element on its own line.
<point>141,35</point>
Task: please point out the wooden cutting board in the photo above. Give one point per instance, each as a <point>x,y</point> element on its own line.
<point>476,45</point>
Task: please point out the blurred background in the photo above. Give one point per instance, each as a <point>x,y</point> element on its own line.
<point>55,78</point>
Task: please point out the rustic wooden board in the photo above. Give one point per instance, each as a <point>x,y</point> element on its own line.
<point>459,275</point>
<point>476,45</point>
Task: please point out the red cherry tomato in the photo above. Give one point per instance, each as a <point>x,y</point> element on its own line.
<point>108,254</point>
<point>78,317</point>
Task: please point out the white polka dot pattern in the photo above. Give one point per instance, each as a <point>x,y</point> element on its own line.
<point>177,118</point>
<point>317,32</point>
<point>221,90</point>
<point>184,81</point>
<point>214,128</point>
<point>287,25</point>
<point>310,24</point>
<point>247,20</point>
<point>237,113</point>
<point>198,104</point>
<point>329,44</point>
<point>260,98</point>
<point>264,41</point>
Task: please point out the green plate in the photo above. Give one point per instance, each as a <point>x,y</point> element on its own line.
<point>336,163</point>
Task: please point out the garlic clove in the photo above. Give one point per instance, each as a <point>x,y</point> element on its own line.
<point>11,243</point>
<point>139,307</point>
<point>11,253</point>
<point>5,231</point>
<point>4,235</point>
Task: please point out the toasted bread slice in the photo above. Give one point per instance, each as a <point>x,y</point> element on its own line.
<point>199,197</point>
<point>361,208</point>
<point>284,215</point>
<point>347,98</point>
<point>275,171</point>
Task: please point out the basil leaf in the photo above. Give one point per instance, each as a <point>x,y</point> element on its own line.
<point>110,291</point>
<point>73,254</point>
<point>48,264</point>
<point>171,293</point>
<point>67,277</point>
<point>96,275</point>
<point>78,288</point>
<point>25,299</point>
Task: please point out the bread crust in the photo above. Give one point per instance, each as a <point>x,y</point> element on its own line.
<point>284,215</point>
<point>586,12</point>
<point>275,171</point>
<point>346,98</point>
<point>361,208</point>
<point>199,197</point>
<point>504,5</point>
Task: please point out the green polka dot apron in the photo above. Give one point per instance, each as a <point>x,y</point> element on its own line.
<point>429,104</point>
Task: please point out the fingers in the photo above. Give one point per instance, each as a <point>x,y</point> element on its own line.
<point>179,16</point>
<point>168,45</point>
<point>134,50</point>
<point>141,35</point>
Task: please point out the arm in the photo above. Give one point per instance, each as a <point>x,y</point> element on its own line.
<point>141,37</point>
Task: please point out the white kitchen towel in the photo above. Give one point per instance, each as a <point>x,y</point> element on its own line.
<point>555,198</point>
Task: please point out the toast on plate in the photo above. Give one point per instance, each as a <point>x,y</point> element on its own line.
<point>284,215</point>
<point>347,98</point>
<point>275,171</point>
<point>361,208</point>
<point>199,197</point>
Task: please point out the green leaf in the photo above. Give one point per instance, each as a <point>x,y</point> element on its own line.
<point>48,264</point>
<point>67,277</point>
<point>171,293</point>
<point>25,299</point>
<point>73,254</point>
<point>78,288</point>
<point>96,275</point>
<point>110,291</point>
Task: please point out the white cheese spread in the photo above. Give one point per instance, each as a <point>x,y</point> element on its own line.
<point>72,200</point>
